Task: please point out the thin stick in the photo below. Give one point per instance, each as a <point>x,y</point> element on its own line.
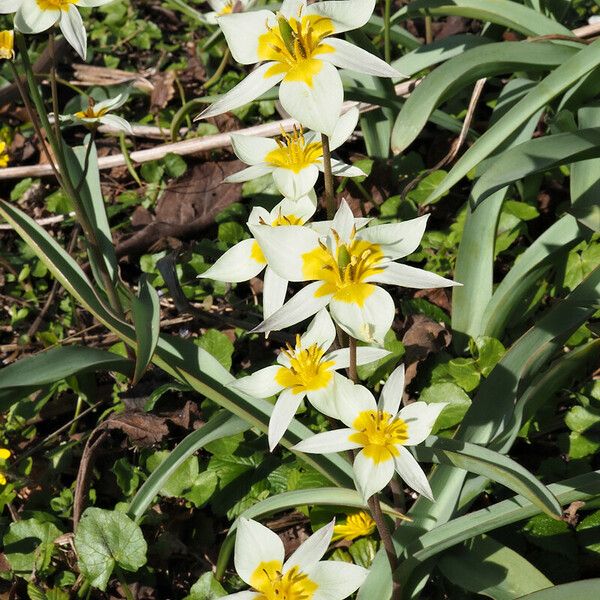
<point>329,196</point>
<point>387,45</point>
<point>352,372</point>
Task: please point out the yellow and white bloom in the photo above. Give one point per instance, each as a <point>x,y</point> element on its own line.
<point>35,16</point>
<point>226,7</point>
<point>381,432</point>
<point>357,525</point>
<point>344,267</point>
<point>296,49</point>
<point>98,113</point>
<point>7,44</point>
<point>295,159</point>
<point>246,260</point>
<point>260,561</point>
<point>306,369</point>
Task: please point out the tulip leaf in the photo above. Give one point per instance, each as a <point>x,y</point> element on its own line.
<point>589,588</point>
<point>146,318</point>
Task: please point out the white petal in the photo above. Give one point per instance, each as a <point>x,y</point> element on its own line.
<point>283,248</point>
<point>411,277</point>
<point>364,356</point>
<point>295,185</point>
<point>261,384</point>
<point>346,15</point>
<point>248,174</point>
<point>237,264</point>
<point>391,393</point>
<point>344,128</point>
<point>31,19</point>
<point>397,239</point>
<point>111,103</point>
<point>92,3</point>
<point>318,106</point>
<point>283,412</point>
<point>303,208</point>
<point>324,400</point>
<point>328,442</point>
<point>74,31</point>
<point>321,331</point>
<point>351,400</point>
<point>301,306</point>
<point>368,322</point>
<point>343,221</point>
<point>242,30</point>
<point>255,543</point>
<point>310,552</point>
<point>341,169</point>
<point>408,468</point>
<point>420,418</point>
<point>274,290</point>
<point>116,123</point>
<point>246,595</point>
<point>336,579</point>
<point>370,476</point>
<point>349,56</point>
<point>291,8</point>
<point>257,213</point>
<point>250,88</point>
<point>9,6</point>
<point>252,149</point>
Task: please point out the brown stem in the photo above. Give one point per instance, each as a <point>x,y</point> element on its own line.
<point>329,196</point>
<point>352,373</point>
<point>386,540</point>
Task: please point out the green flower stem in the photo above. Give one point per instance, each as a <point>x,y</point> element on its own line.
<point>64,179</point>
<point>387,45</point>
<point>217,74</point>
<point>329,196</point>
<point>121,578</point>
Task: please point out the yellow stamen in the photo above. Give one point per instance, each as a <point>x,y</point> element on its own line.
<point>294,45</point>
<point>344,272</point>
<point>91,112</point>
<point>227,8</point>
<point>272,584</point>
<point>293,152</point>
<point>7,44</point>
<point>307,371</point>
<point>286,220</point>
<point>55,4</point>
<point>378,433</point>
<point>357,525</point>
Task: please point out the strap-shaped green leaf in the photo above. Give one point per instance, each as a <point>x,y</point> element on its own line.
<point>146,318</point>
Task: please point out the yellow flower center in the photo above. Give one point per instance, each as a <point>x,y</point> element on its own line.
<point>7,45</point>
<point>4,454</point>
<point>272,584</point>
<point>307,371</point>
<point>227,9</point>
<point>356,525</point>
<point>293,152</point>
<point>256,254</point>
<point>378,433</point>
<point>294,44</point>
<point>91,113</point>
<point>344,275</point>
<point>286,220</point>
<point>55,4</point>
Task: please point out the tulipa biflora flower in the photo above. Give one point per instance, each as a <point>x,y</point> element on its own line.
<point>226,7</point>
<point>7,44</point>
<point>246,260</point>
<point>4,455</point>
<point>259,561</point>
<point>35,16</point>
<point>4,155</point>
<point>297,50</point>
<point>344,266</point>
<point>357,525</point>
<point>304,370</point>
<point>381,432</point>
<point>295,159</point>
<point>97,113</point>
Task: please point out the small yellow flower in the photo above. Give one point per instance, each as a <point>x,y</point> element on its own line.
<point>4,156</point>
<point>7,44</point>
<point>4,454</point>
<point>357,525</point>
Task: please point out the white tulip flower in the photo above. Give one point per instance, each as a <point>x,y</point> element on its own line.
<point>97,113</point>
<point>344,267</point>
<point>304,370</point>
<point>226,7</point>
<point>381,432</point>
<point>259,560</point>
<point>296,49</point>
<point>35,16</point>
<point>294,160</point>
<point>246,260</point>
